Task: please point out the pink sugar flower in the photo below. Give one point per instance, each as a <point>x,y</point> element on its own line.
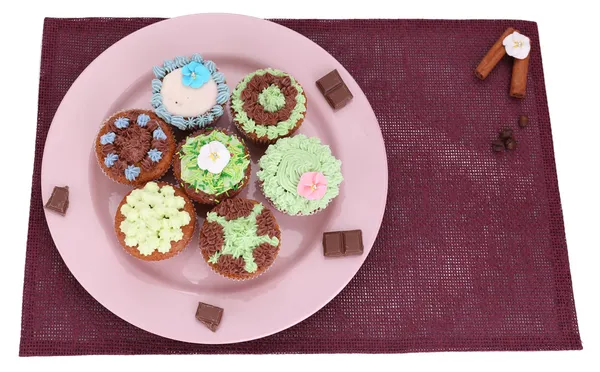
<point>312,185</point>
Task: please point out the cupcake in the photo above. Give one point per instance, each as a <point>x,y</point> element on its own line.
<point>155,222</point>
<point>212,165</point>
<point>240,239</point>
<point>299,175</point>
<point>267,105</point>
<point>134,147</point>
<point>189,93</point>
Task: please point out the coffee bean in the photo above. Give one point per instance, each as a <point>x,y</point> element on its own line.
<point>498,146</point>
<point>505,134</point>
<point>523,121</point>
<point>510,143</point>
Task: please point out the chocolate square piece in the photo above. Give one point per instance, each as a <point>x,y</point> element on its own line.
<point>342,243</point>
<point>209,315</point>
<point>329,82</point>
<point>59,200</point>
<point>333,244</point>
<point>339,97</point>
<point>353,243</point>
<point>334,89</point>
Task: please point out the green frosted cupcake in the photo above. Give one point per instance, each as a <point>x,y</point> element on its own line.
<point>240,239</point>
<point>299,175</point>
<point>268,104</point>
<point>212,165</point>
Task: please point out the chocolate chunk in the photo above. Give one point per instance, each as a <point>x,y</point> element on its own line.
<point>523,121</point>
<point>329,82</point>
<point>333,244</point>
<point>59,200</point>
<point>342,243</point>
<point>498,145</point>
<point>353,243</point>
<point>209,315</point>
<point>335,90</point>
<point>510,143</point>
<point>339,97</point>
<point>505,133</point>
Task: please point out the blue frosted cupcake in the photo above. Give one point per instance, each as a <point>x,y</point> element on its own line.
<point>134,147</point>
<point>189,92</point>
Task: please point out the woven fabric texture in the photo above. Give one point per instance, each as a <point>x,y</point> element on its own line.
<point>471,254</point>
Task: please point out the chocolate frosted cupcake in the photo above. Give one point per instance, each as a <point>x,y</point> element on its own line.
<point>212,165</point>
<point>155,222</point>
<point>189,92</point>
<point>267,105</point>
<point>240,239</point>
<point>134,147</point>
<point>299,175</point>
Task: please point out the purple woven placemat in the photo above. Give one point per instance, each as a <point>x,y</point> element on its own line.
<point>471,254</point>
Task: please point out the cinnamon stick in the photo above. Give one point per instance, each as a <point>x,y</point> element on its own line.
<point>493,56</point>
<point>518,81</point>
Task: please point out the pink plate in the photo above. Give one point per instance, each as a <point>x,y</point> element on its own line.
<point>162,297</point>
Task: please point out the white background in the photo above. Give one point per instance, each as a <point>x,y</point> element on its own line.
<point>569,33</point>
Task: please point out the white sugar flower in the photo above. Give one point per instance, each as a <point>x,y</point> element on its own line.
<point>517,45</point>
<point>213,157</point>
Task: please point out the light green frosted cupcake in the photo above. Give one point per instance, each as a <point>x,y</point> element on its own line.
<point>299,175</point>
<point>155,221</point>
